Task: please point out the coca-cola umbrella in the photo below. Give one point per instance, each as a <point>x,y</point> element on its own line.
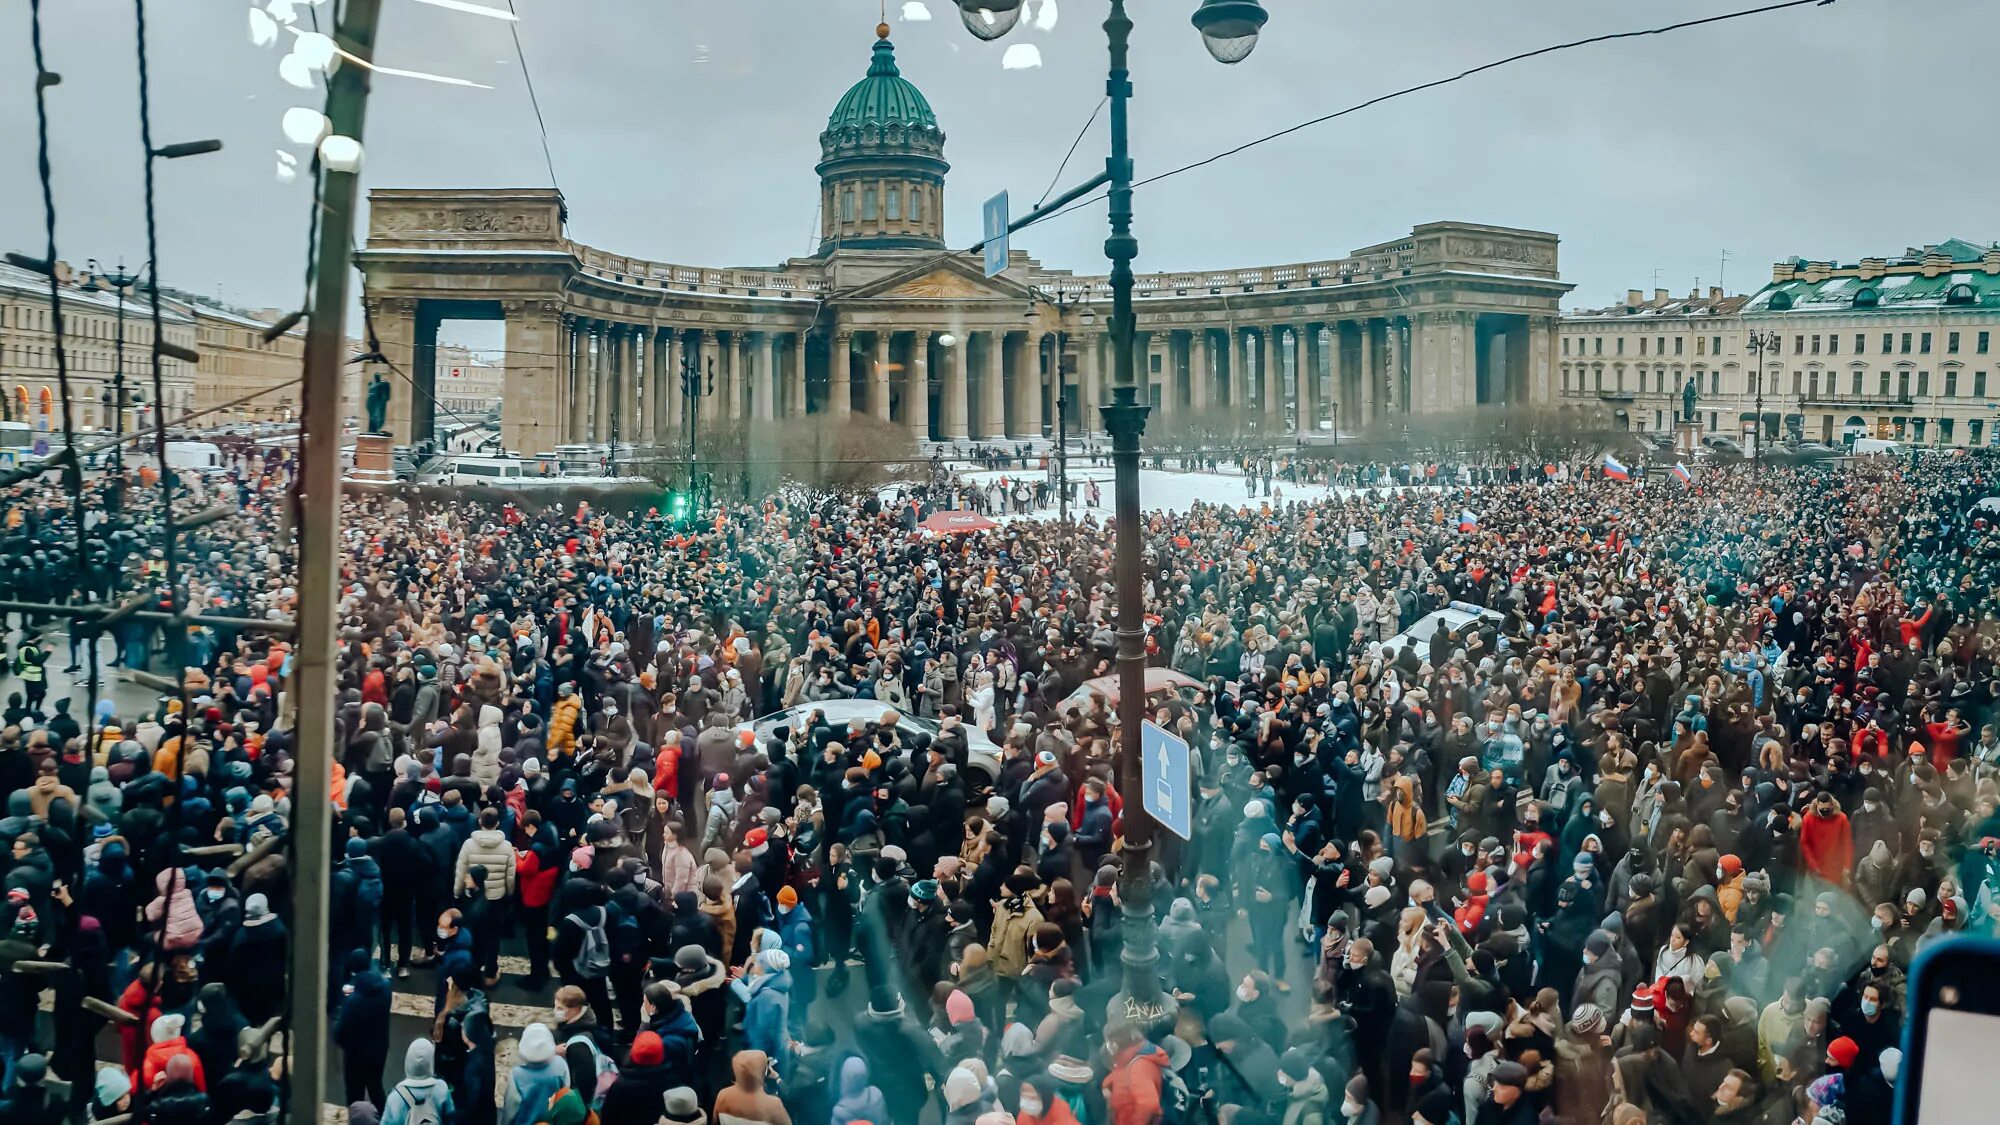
<point>957,522</point>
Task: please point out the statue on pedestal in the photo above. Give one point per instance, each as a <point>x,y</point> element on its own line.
<point>1688,395</point>
<point>378,404</point>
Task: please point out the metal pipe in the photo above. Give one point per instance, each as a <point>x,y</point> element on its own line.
<point>319,576</point>
<point>101,615</point>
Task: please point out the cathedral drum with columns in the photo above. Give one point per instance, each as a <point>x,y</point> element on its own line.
<point>884,319</point>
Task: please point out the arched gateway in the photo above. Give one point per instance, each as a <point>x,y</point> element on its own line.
<point>882,319</point>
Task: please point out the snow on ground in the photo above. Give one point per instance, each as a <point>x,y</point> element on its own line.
<point>1169,489</point>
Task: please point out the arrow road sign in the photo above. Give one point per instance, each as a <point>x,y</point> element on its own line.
<point>1168,781</point>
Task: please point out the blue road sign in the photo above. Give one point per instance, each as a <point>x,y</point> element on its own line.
<point>1169,783</point>
<point>995,233</point>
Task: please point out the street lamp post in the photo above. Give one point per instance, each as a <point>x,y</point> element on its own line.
<point>1229,29</point>
<point>122,283</point>
<point>1759,343</point>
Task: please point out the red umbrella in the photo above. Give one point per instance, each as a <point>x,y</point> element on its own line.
<point>957,522</point>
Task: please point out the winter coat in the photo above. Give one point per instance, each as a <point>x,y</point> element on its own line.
<point>486,754</point>
<point>562,729</point>
<point>487,848</point>
<point>176,902</point>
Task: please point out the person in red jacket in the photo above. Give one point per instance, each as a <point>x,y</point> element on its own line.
<point>1473,911</point>
<point>1138,1069</point>
<point>167,1042</point>
<point>1826,841</point>
<point>537,867</point>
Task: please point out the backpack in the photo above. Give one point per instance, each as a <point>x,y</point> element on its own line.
<point>368,894</point>
<point>421,1112</point>
<point>607,1071</point>
<point>548,1111</point>
<point>593,956</point>
<point>628,940</point>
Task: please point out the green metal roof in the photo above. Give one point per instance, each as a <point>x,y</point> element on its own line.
<point>885,97</point>
<point>1893,292</point>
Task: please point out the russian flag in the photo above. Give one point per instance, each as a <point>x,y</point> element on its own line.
<point>1613,470</point>
<point>1681,471</point>
<point>1467,521</point>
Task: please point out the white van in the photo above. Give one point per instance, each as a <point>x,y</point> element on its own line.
<point>469,471</point>
<point>1867,445</point>
<point>195,457</point>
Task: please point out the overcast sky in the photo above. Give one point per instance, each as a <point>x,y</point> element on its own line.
<point>686,130</point>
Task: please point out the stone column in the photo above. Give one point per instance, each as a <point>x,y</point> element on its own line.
<point>917,387</point>
<point>599,347</point>
<point>669,401</point>
<point>1543,347</point>
<point>1239,385</point>
<point>795,375</point>
<point>993,393</point>
<point>840,375</point>
<point>1430,364</point>
<point>1336,394</point>
<point>1089,380</point>
<point>952,399</point>
<point>530,414</point>
<point>1200,369</point>
<point>878,376</point>
<point>1306,377</point>
<point>763,386</point>
<point>1365,378</point>
<point>629,392</point>
<point>1464,384</point>
<point>1396,397</point>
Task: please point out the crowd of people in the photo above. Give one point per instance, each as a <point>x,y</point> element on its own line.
<point>1650,838</point>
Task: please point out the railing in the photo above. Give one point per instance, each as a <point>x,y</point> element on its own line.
<point>785,283</point>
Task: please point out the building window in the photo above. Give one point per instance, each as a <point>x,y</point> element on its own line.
<point>1642,345</point>
<point>1888,342</point>
<point>1972,431</point>
<point>1714,388</point>
<point>1701,345</point>
<point>1979,384</point>
<point>1815,384</point>
<point>1798,380</point>
<point>1883,390</point>
<point>1857,384</point>
<point>1951,342</point>
<point>892,205</point>
<point>1860,343</point>
<point>917,204</point>
<point>1597,347</point>
<point>1799,345</point>
<point>1678,342</point>
<point>1715,345</point>
<point>1565,351</point>
<point>1902,384</point>
<point>1923,382</point>
<point>1924,345</point>
<point>867,204</point>
<point>1951,384</point>
<point>1833,343</point>
<point>1906,343</point>
<point>847,206</point>
<point>1711,421</point>
<point>1597,379</point>
<point>1621,346</point>
<point>1815,345</point>
<point>1985,339</point>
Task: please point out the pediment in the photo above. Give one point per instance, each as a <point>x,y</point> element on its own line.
<point>945,281</point>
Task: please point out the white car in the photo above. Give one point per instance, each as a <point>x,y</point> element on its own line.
<point>983,755</point>
<point>1455,615</point>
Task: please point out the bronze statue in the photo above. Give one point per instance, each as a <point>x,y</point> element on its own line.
<point>1688,395</point>
<point>378,404</point>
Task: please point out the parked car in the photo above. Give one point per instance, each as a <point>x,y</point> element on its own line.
<point>1160,683</point>
<point>1724,446</point>
<point>1456,615</point>
<point>983,756</point>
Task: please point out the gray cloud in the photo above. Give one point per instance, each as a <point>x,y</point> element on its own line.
<point>1805,132</point>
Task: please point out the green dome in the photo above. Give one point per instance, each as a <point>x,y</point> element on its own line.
<point>883,98</point>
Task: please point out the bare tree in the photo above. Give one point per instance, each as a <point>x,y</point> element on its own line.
<point>818,456</point>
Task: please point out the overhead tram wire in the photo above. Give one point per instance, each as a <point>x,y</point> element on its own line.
<point>1080,133</point>
<point>514,26</point>
<point>1446,81</point>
